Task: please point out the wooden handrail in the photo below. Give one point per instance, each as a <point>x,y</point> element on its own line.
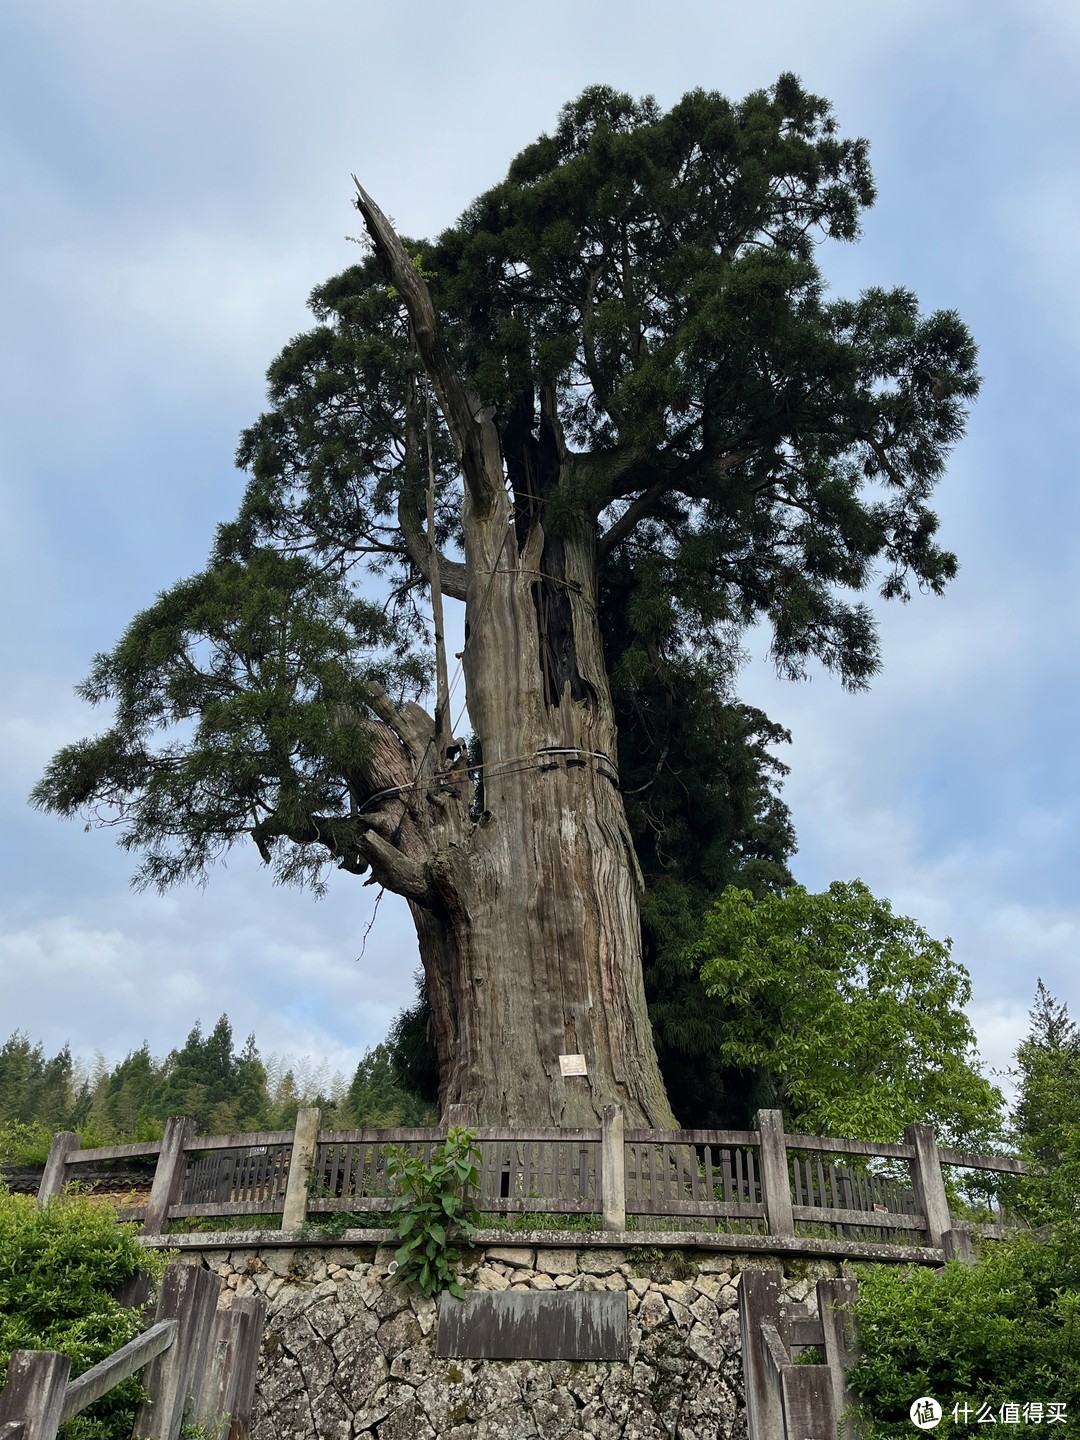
<point>115,1152</point>
<point>833,1145</point>
<point>785,1400</point>
<point>1007,1164</point>
<point>239,1142</point>
<point>193,1352</point>
<point>692,1137</point>
<point>92,1384</point>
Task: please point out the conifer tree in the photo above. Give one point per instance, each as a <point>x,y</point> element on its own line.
<point>615,413</point>
<point>1047,1111</point>
<point>126,1102</point>
<point>220,1091</point>
<point>34,1089</point>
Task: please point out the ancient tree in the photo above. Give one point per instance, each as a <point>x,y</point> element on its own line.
<point>614,413</point>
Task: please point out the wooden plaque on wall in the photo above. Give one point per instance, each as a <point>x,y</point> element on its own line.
<point>534,1325</point>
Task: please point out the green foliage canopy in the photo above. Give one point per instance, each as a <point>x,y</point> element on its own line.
<point>852,1014</point>
<point>1048,1075</point>
<point>222,1092</point>
<point>32,1087</point>
<point>257,674</point>
<point>379,1096</point>
<point>1046,1118</point>
<point>744,447</point>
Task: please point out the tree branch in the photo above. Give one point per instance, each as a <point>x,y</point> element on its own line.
<point>410,722</point>
<point>634,512</point>
<point>472,426</point>
<point>395,870</point>
<point>453,575</point>
<point>670,481</point>
<point>885,463</point>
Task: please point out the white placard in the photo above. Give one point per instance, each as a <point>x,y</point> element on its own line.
<point>573,1065</point>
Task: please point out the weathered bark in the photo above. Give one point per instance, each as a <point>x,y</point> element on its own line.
<point>530,937</point>
<point>528,916</point>
<point>528,925</point>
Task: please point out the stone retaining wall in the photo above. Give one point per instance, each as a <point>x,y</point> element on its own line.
<point>350,1353</point>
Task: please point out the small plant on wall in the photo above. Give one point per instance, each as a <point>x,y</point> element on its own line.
<point>434,1208</point>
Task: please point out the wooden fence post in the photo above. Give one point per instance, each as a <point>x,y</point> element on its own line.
<point>775,1184</point>
<point>34,1392</point>
<point>803,1391</point>
<point>247,1343</point>
<point>759,1303</point>
<point>840,1329</point>
<point>227,1386</point>
<point>957,1246</point>
<point>168,1174</point>
<point>189,1295</point>
<point>305,1140</point>
<point>928,1182</point>
<point>55,1177</point>
<point>613,1168</point>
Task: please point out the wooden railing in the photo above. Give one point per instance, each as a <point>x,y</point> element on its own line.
<point>786,1400</point>
<point>761,1185</point>
<point>199,1363</point>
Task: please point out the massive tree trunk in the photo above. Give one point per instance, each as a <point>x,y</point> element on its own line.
<point>528,912</point>
<point>538,899</point>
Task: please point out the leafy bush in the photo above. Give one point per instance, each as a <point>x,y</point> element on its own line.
<point>24,1143</point>
<point>850,1017</point>
<point>433,1207</point>
<point>60,1267</point>
<point>1004,1331</point>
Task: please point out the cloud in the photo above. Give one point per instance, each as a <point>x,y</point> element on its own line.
<point>130,967</point>
<point>1040,216</point>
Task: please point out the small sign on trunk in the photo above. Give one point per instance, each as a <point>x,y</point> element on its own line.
<point>573,1065</point>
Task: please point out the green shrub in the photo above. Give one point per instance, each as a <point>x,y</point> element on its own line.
<point>1006,1330</point>
<point>24,1143</point>
<point>60,1267</point>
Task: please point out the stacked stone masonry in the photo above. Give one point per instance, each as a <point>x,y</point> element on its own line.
<point>349,1352</point>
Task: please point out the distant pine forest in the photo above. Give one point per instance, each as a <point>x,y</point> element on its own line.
<point>223,1087</point>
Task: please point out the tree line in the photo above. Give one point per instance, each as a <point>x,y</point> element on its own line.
<point>225,1088</point>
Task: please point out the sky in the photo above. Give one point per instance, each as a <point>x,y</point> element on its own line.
<point>177,179</point>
